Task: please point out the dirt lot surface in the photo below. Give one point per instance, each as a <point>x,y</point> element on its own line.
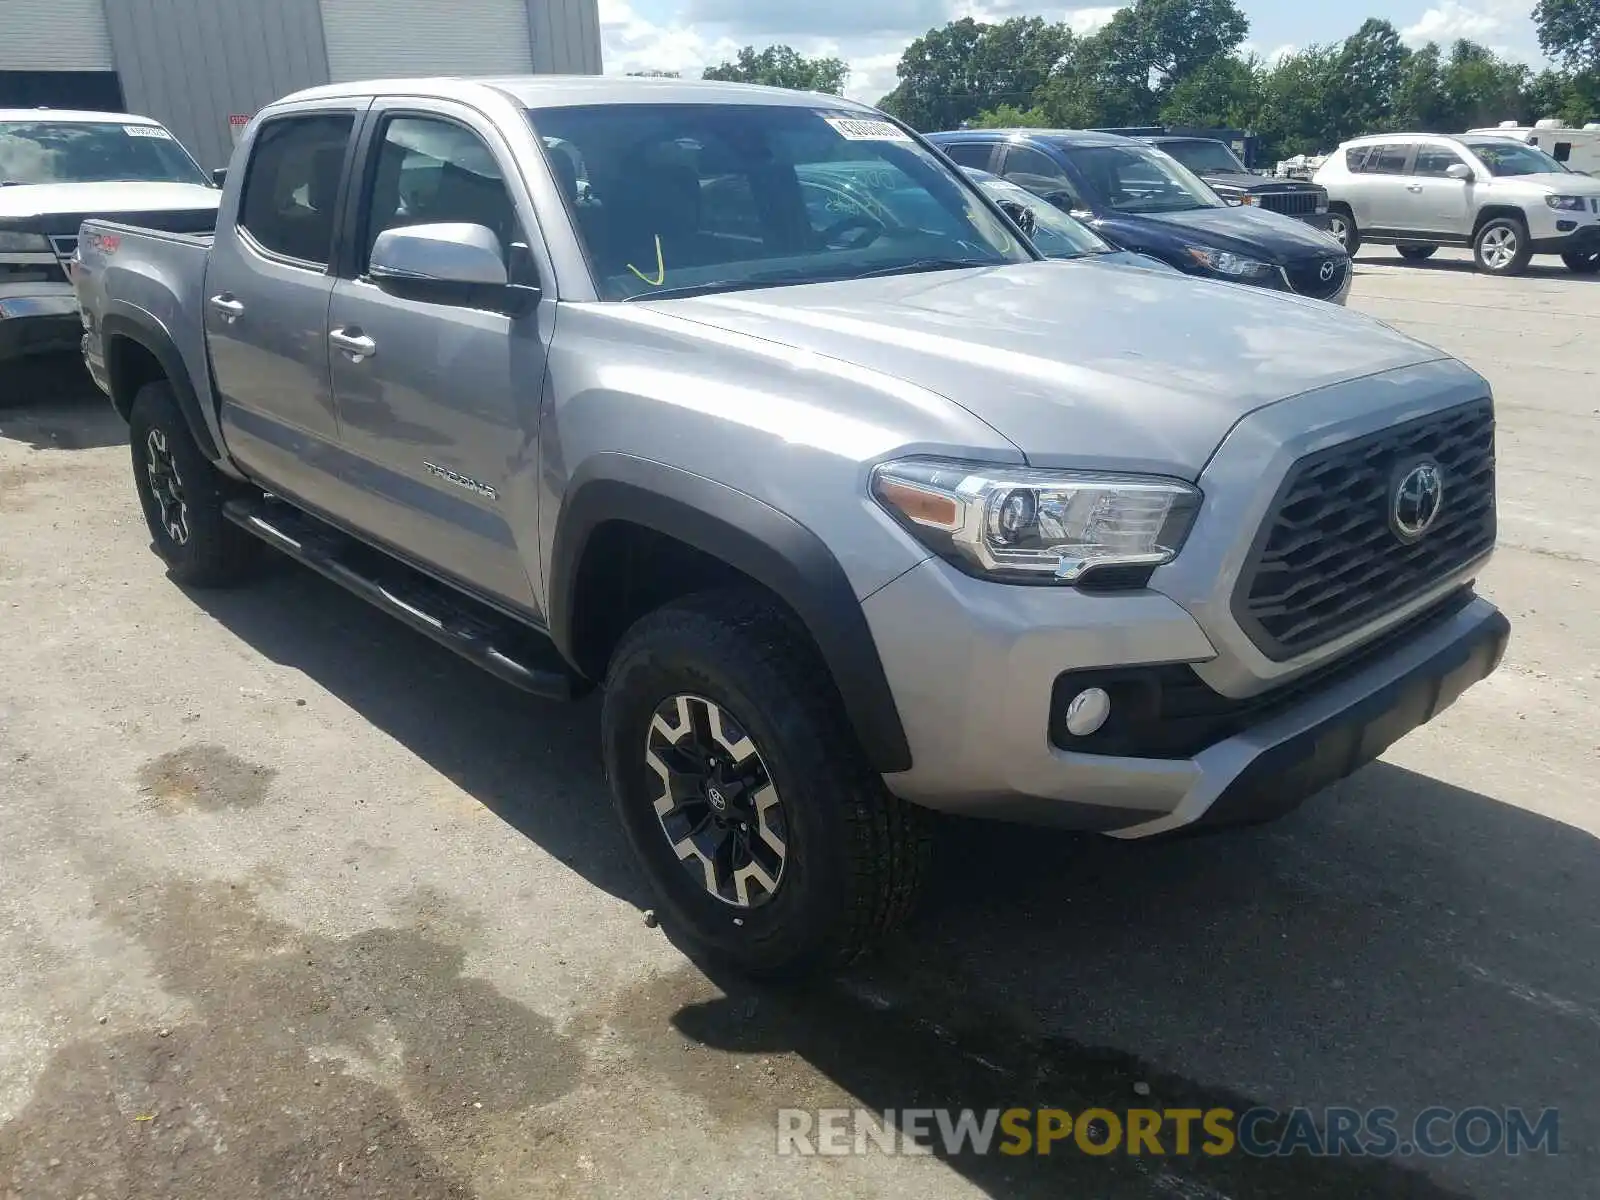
<point>295,904</point>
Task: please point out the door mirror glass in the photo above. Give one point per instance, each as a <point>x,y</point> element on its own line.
<point>1459,171</point>
<point>453,254</point>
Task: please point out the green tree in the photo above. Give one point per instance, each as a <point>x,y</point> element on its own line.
<point>1299,112</point>
<point>785,67</point>
<point>1225,93</point>
<point>1009,116</point>
<point>951,74</point>
<point>1369,75</point>
<point>1420,102</point>
<point>1481,88</point>
<point>1569,30</point>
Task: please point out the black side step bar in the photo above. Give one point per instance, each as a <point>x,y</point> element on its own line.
<point>504,647</point>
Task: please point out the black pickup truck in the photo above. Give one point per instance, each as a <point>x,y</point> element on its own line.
<point>1220,167</point>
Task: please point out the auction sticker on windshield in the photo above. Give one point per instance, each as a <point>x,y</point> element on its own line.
<point>149,131</point>
<point>857,129</point>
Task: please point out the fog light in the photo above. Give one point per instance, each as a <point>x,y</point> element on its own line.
<point>1088,711</point>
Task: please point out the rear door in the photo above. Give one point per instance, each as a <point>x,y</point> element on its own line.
<point>1435,203</point>
<point>1378,194</point>
<point>266,294</point>
<point>440,411</point>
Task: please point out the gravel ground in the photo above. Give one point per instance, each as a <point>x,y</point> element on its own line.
<point>295,904</point>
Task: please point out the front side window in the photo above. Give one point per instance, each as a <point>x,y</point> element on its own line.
<point>1138,179</point>
<point>1435,161</point>
<point>431,171</point>
<point>1055,234</point>
<point>291,185</point>
<point>683,198</point>
<point>93,152</point>
<point>1505,157</point>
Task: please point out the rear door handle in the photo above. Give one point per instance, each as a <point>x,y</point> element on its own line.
<point>356,344</point>
<point>227,307</point>
<point>1413,187</point>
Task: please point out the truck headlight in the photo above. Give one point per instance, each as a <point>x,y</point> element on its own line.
<point>1568,203</point>
<point>1228,264</point>
<point>23,243</point>
<point>1025,525</point>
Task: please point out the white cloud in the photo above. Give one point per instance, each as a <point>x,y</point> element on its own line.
<point>1501,25</point>
<point>690,35</point>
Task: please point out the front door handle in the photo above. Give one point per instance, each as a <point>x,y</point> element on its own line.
<point>227,307</point>
<point>354,343</point>
<point>1414,187</point>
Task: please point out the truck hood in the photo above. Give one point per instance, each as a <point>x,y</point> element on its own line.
<point>1237,181</point>
<point>1078,362</point>
<point>103,199</point>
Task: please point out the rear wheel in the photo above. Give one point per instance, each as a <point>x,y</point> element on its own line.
<point>1585,262</point>
<point>767,837</point>
<point>182,495</point>
<point>1502,246</point>
<point>1342,224</point>
<point>1418,253</point>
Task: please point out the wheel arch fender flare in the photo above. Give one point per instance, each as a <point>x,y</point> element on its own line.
<point>135,327</point>
<point>753,538</point>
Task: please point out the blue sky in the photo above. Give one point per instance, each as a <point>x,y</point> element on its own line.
<point>685,35</point>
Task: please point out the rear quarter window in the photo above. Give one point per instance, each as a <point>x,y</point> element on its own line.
<point>1355,157</point>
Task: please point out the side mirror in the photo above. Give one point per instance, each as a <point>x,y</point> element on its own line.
<point>1021,215</point>
<point>452,264</point>
<point>1459,171</point>
<point>219,175</point>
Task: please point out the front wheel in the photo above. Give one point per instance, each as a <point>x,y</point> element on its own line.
<point>1584,262</point>
<point>1418,253</point>
<point>1502,247</point>
<point>767,837</point>
<point>182,496</point>
<point>1343,226</point>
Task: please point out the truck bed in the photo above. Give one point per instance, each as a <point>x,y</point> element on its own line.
<point>155,275</point>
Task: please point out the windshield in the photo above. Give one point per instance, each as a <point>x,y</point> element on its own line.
<point>681,198</point>
<point>1201,156</point>
<point>1139,179</point>
<point>1505,157</point>
<point>1055,234</point>
<point>92,152</point>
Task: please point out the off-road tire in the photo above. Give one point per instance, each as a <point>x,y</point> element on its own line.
<point>1485,246</point>
<point>858,856</point>
<point>214,552</point>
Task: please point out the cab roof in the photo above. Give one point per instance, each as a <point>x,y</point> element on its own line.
<point>550,91</point>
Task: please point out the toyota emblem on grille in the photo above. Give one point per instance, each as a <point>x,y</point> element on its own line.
<point>1417,501</point>
<point>1328,270</point>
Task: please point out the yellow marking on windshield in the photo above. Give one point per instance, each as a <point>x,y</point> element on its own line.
<point>661,268</point>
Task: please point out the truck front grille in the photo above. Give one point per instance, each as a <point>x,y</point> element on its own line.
<point>1293,204</point>
<point>1328,559</point>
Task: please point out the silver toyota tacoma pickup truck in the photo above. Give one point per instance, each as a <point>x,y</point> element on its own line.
<point>853,505</point>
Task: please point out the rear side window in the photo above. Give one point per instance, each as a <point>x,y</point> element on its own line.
<point>1387,160</point>
<point>969,154</point>
<point>292,183</point>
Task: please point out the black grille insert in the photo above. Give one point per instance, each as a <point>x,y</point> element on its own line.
<point>1327,559</point>
<point>1294,204</point>
<point>1320,277</point>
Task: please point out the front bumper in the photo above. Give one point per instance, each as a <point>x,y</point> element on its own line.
<point>41,320</point>
<point>1585,239</point>
<point>975,666</point>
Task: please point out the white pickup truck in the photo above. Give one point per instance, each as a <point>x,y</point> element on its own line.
<point>59,168</point>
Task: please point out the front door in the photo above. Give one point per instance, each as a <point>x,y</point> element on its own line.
<point>438,402</point>
<point>266,296</point>
<point>1435,203</point>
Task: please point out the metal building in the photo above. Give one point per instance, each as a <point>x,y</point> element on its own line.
<point>194,64</point>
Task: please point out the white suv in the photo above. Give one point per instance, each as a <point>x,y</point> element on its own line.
<point>1506,200</point>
